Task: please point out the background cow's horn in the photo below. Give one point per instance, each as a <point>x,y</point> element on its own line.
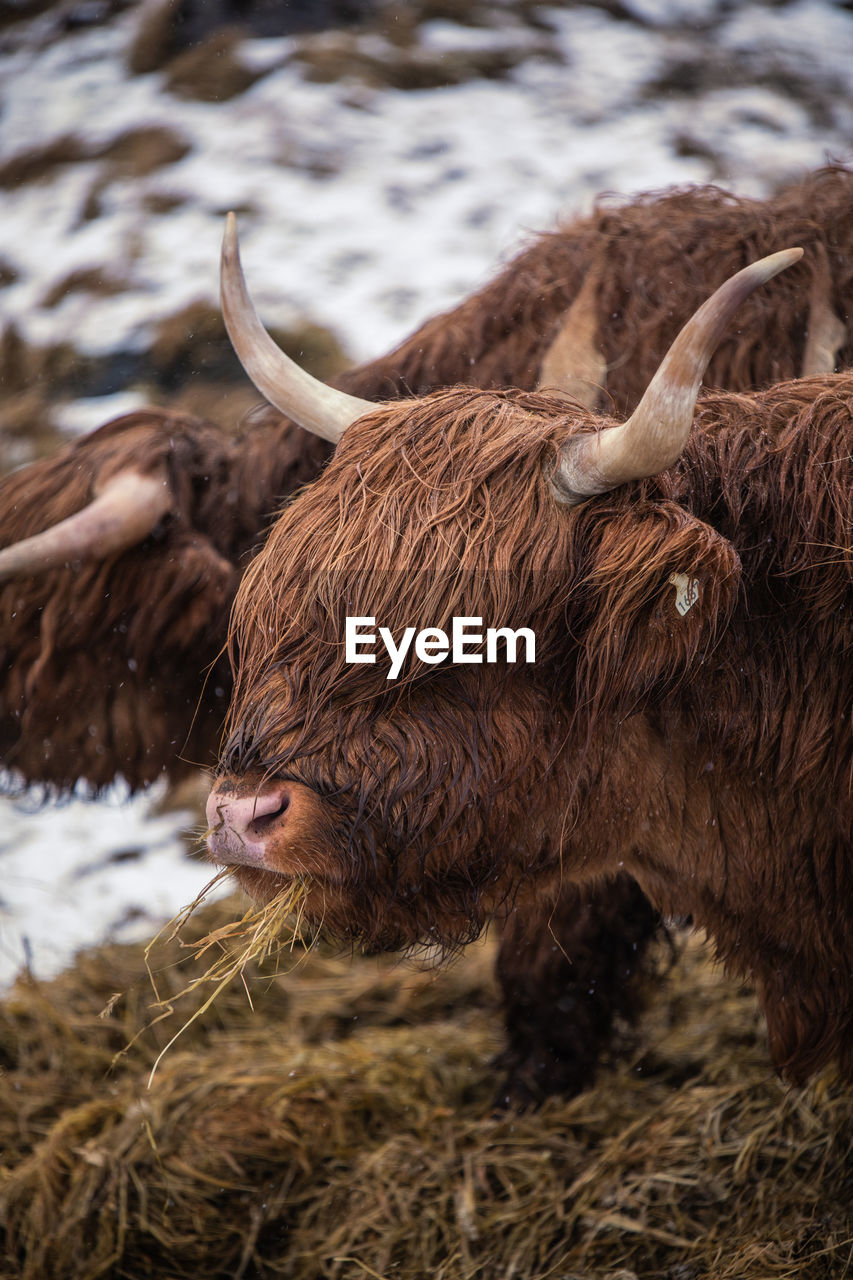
<point>123,513</point>
<point>314,406</point>
<point>653,437</point>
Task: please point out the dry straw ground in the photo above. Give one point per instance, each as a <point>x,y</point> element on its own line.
<point>344,1128</point>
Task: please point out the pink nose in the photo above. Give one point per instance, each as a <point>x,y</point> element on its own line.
<point>240,826</point>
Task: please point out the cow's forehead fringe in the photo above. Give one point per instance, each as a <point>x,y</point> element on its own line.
<point>418,498</point>
<point>441,508</point>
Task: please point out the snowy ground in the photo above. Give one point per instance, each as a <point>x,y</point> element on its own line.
<point>75,874</point>
<point>366,210</point>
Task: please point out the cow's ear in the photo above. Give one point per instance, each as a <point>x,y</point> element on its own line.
<point>659,588</point>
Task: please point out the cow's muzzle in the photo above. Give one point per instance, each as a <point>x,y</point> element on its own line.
<point>266,825</point>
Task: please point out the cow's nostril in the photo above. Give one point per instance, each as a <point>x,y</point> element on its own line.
<point>269,815</point>
<point>242,827</point>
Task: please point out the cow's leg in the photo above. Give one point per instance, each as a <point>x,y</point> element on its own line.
<point>566,971</point>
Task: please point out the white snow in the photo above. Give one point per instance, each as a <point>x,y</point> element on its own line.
<point>80,872</point>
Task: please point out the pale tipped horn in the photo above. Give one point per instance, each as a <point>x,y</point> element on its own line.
<point>574,363</point>
<point>121,515</point>
<point>827,332</point>
<point>310,403</point>
<point>653,437</point>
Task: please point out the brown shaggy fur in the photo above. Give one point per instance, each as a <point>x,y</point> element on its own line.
<point>664,254</point>
<point>566,972</point>
<point>116,666</point>
<point>91,691</point>
<point>710,756</point>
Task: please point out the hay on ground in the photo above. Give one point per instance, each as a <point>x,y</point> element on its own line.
<point>343,1127</point>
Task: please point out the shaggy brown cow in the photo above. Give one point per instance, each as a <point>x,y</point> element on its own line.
<point>106,663</point>
<point>687,720</point>
<point>114,665</point>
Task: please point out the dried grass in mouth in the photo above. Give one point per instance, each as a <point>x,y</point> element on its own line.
<point>260,934</point>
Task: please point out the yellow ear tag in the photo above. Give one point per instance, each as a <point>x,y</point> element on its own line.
<point>686,591</point>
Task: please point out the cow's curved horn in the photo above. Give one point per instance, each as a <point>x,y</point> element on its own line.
<point>653,437</point>
<point>827,332</point>
<point>121,515</point>
<point>314,406</point>
<point>574,362</point>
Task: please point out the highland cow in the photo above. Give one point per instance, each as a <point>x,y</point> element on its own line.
<point>110,645</point>
<point>111,652</point>
<point>113,661</point>
<point>686,727</point>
